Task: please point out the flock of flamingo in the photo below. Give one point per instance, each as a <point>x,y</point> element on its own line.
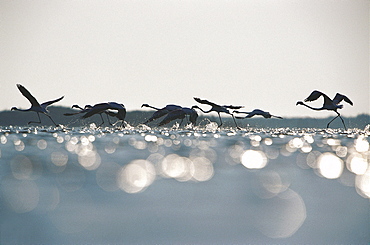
<point>172,112</point>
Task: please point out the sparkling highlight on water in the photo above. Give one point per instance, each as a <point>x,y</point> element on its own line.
<point>268,182</point>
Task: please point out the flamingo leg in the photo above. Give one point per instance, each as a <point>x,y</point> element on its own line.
<point>219,116</point>
<point>235,122</point>
<point>52,120</point>
<point>109,120</point>
<point>345,128</point>
<point>338,115</point>
<point>101,120</point>
<point>35,121</point>
<point>333,120</point>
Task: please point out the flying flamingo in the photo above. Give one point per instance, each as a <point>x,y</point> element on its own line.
<point>181,114</point>
<point>160,111</point>
<point>218,109</point>
<point>330,105</point>
<point>35,105</point>
<point>82,110</point>
<point>104,107</point>
<point>120,114</point>
<point>85,110</point>
<point>257,112</point>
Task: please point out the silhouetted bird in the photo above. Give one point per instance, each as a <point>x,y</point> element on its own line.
<point>181,114</point>
<point>160,111</point>
<point>257,112</point>
<point>218,109</point>
<point>35,105</point>
<point>104,107</point>
<point>120,114</point>
<point>82,110</point>
<point>331,105</point>
<point>85,110</point>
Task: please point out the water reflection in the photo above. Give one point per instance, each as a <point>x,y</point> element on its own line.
<point>253,159</point>
<point>136,176</point>
<point>264,167</point>
<point>280,216</point>
<point>329,165</point>
<point>21,196</point>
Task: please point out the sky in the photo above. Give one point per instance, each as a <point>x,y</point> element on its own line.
<point>264,54</point>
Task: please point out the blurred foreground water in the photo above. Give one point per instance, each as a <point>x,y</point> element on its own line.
<point>203,186</point>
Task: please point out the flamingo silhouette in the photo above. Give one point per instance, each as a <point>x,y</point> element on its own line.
<point>181,114</point>
<point>86,109</point>
<point>218,109</point>
<point>82,110</point>
<point>104,107</point>
<point>329,104</point>
<point>120,114</point>
<point>257,112</point>
<point>35,105</point>
<point>160,112</point>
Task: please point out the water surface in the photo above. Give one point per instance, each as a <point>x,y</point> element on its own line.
<point>89,185</point>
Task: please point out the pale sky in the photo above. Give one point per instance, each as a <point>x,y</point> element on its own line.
<point>265,54</point>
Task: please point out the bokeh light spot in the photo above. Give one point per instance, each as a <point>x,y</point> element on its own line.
<point>254,159</point>
<point>42,144</point>
<point>357,164</point>
<point>330,166</point>
<point>136,176</point>
<point>280,216</point>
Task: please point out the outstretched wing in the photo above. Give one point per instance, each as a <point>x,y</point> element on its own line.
<point>205,102</point>
<point>316,94</point>
<point>115,106</point>
<point>98,108</point>
<point>156,115</point>
<point>72,113</point>
<point>233,106</point>
<point>215,105</point>
<point>313,96</point>
<point>120,114</point>
<point>47,103</point>
<point>173,115</point>
<point>277,117</point>
<point>339,97</point>
<point>28,95</point>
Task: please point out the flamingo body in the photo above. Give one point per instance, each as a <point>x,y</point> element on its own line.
<point>329,104</point>
<point>180,114</point>
<point>161,111</point>
<point>104,107</point>
<point>35,105</point>
<point>257,112</point>
<point>218,108</point>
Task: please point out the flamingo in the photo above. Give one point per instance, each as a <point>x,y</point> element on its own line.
<point>256,112</point>
<point>329,104</point>
<point>160,111</point>
<point>180,114</point>
<point>218,109</point>
<point>86,109</point>
<point>103,107</point>
<point>35,105</point>
<point>120,115</point>
<point>82,110</point>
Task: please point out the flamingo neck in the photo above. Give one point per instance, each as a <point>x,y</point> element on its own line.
<point>152,107</point>
<point>313,108</point>
<point>204,110</point>
<point>17,109</point>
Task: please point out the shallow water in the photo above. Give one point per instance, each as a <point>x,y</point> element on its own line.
<point>157,186</point>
